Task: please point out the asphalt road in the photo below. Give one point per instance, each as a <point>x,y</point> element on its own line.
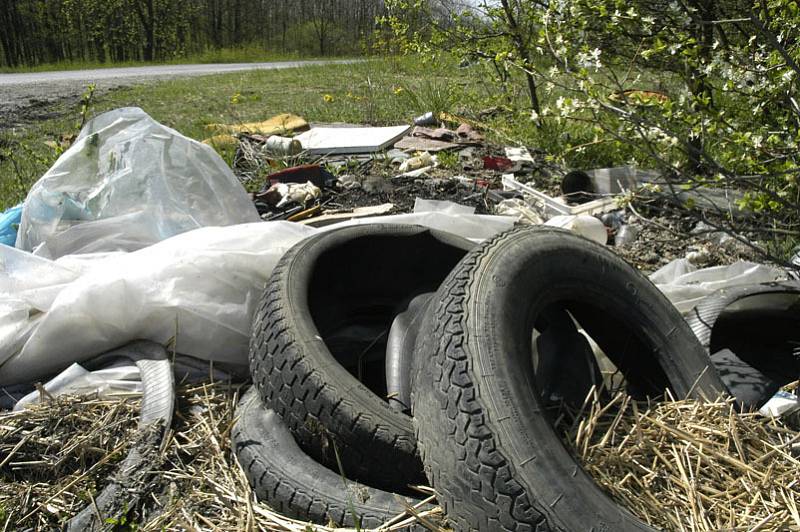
<point>24,93</point>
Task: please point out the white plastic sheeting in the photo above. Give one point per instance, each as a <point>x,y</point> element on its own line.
<point>685,286</point>
<point>199,287</point>
<point>77,380</point>
<point>128,182</point>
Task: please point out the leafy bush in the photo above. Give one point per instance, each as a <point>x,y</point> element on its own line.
<point>702,90</point>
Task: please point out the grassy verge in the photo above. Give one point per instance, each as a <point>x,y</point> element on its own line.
<point>244,54</point>
<point>378,92</point>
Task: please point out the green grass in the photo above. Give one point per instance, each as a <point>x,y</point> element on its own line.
<point>244,54</point>
<point>377,92</point>
<point>359,93</point>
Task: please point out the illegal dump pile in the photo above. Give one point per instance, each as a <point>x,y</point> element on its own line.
<point>393,342</point>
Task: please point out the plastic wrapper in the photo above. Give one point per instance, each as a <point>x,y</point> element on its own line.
<point>77,380</point>
<point>199,287</point>
<point>128,182</point>
<point>520,210</point>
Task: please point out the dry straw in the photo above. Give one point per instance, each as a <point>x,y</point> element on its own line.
<point>689,465</point>
<point>678,465</point>
<point>57,454</point>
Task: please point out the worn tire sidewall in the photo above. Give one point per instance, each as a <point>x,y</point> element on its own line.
<point>505,289</point>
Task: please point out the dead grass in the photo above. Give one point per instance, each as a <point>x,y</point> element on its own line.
<point>53,456</point>
<point>687,465</point>
<point>677,465</point>
<point>57,454</point>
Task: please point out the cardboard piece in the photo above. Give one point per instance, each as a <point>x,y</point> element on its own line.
<point>424,144</point>
<point>336,140</point>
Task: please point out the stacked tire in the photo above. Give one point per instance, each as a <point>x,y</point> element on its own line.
<point>487,442</point>
<point>317,360</point>
<point>484,338</point>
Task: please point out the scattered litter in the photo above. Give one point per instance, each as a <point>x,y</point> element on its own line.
<point>221,142</point>
<point>433,140</point>
<point>549,206</point>
<point>426,119</point>
<point>444,207</point>
<point>360,212</point>
<point>467,133</point>
<point>315,173</point>
<point>519,209</point>
<point>699,257</point>
<point>685,285</point>
<point>396,156</point>
<point>620,179</point>
<point>128,182</point>
<point>416,173</point>
<point>625,235</point>
<point>280,194</point>
<point>442,134</point>
<point>414,163</point>
<point>278,145</point>
<point>578,187</point>
<point>338,140</point>
<point>613,220</point>
<point>424,144</point>
<point>466,157</point>
<point>519,155</point>
<point>781,404</point>
<point>583,225</point>
<point>500,164</point>
<point>711,234</point>
<point>282,124</point>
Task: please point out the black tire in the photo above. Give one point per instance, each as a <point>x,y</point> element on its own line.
<point>340,284</point>
<point>293,484</point>
<point>751,333</point>
<point>488,445</point>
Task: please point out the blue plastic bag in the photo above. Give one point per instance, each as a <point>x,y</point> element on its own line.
<point>9,223</point>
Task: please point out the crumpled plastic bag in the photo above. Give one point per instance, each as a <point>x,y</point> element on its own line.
<point>685,286</point>
<point>200,287</point>
<point>128,182</point>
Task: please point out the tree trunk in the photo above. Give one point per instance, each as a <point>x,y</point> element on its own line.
<point>523,52</point>
<point>696,79</point>
<point>147,19</point>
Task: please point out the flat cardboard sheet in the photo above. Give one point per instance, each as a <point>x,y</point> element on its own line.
<point>335,140</point>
